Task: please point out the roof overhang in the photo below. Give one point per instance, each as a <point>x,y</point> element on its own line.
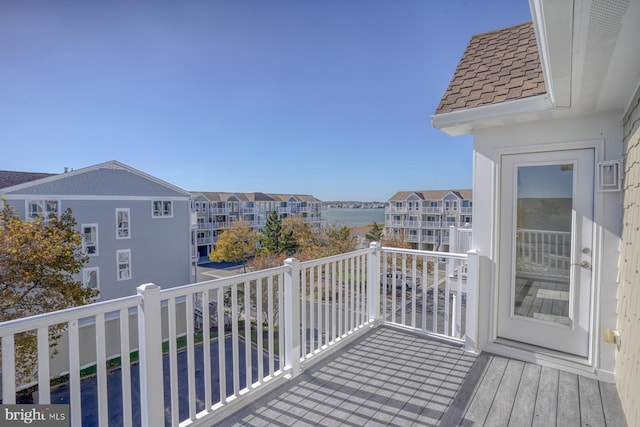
<point>466,121</point>
<point>590,60</point>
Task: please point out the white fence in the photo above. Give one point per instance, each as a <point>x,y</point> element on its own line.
<point>203,350</point>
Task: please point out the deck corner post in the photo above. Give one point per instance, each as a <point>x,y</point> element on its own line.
<point>374,282</point>
<point>292,316</point>
<point>150,355</point>
<point>473,277</point>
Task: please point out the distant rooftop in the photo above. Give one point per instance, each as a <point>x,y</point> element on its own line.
<point>497,66</point>
<point>11,178</point>
<point>432,194</point>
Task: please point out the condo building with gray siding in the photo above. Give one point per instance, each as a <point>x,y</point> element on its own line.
<point>136,228</point>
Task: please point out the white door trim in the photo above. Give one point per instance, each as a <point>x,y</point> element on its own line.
<point>490,340</point>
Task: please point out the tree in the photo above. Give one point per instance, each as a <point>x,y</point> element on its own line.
<point>236,243</point>
<point>40,262</point>
<point>375,234</point>
<point>338,240</point>
<point>300,237</point>
<point>272,235</point>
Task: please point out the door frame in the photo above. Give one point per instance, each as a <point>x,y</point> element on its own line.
<point>523,351</point>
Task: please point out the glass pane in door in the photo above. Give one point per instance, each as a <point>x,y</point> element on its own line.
<point>544,217</point>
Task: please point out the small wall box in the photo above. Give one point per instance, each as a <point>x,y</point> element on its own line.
<point>609,177</point>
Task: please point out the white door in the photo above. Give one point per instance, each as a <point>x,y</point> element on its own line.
<point>546,235</point>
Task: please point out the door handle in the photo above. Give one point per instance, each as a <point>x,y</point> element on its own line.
<point>585,264</point>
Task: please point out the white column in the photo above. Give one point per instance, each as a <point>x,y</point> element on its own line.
<point>473,277</point>
<point>150,353</point>
<point>292,316</point>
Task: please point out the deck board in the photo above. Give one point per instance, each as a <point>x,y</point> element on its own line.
<point>524,403</point>
<point>500,411</point>
<point>391,377</point>
<point>591,412</point>
<point>546,404</point>
<point>568,400</point>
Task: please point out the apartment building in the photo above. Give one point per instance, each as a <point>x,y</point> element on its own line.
<point>424,218</point>
<point>216,210</point>
<point>136,228</point>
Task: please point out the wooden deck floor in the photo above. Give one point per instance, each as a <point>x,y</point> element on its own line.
<point>390,377</point>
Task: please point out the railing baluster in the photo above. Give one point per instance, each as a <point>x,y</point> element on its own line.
<point>394,267</point>
<point>125,367</point>
<point>222,364</point>
<point>414,290</point>
<point>191,359</point>
<point>248,358</point>
<point>173,361</point>
<point>403,286</point>
<point>425,278</point>
<point>281,343</point>
<point>459,300</point>
<point>327,302</point>
<point>447,299</point>
<point>385,284</point>
<point>101,370</point>
<point>8,370</point>
<point>352,297</point>
<point>312,328</point>
<point>234,339</point>
<point>334,336</point>
<point>435,296</point>
<point>44,386</point>
<point>340,298</point>
<point>303,311</point>
<point>206,351</point>
<point>259,331</point>
<point>74,374</point>
<point>270,327</point>
<point>319,290</point>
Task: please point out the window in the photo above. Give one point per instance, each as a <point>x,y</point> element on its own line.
<point>162,209</point>
<point>91,278</point>
<point>90,239</point>
<point>46,209</point>
<point>123,258</point>
<point>122,223</point>
<point>466,203</point>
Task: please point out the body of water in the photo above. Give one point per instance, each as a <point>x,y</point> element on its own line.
<point>352,217</point>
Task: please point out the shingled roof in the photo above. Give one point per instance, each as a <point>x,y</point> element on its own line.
<point>497,66</point>
<point>465,194</point>
<point>11,178</point>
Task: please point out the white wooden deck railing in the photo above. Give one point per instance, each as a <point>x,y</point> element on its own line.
<point>541,253</point>
<point>206,349</point>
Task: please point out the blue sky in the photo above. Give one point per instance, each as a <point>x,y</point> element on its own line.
<point>331,98</point>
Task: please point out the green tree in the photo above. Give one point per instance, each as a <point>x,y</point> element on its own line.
<point>236,244</point>
<point>271,238</point>
<point>40,262</point>
<point>375,234</point>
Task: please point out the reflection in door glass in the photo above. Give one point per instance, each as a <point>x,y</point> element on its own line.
<point>543,242</point>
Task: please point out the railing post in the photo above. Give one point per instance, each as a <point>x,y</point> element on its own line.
<point>150,353</point>
<point>473,281</point>
<point>373,283</point>
<point>292,316</point>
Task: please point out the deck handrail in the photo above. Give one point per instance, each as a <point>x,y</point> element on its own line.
<point>310,309</point>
